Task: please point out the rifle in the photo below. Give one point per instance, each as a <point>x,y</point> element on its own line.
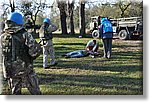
<point>42,40</point>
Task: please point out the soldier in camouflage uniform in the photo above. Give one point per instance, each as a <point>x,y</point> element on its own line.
<point>45,34</point>
<point>19,49</point>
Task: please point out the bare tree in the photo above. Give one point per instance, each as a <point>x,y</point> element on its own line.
<point>63,8</point>
<point>70,13</point>
<point>7,7</point>
<point>123,6</point>
<point>32,8</point>
<point>12,5</point>
<point>82,17</point>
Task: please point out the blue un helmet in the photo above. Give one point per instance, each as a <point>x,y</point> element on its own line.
<point>104,19</point>
<point>16,17</point>
<point>47,20</point>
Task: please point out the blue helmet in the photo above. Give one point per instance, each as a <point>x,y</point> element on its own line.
<point>47,20</point>
<point>16,17</point>
<point>104,19</point>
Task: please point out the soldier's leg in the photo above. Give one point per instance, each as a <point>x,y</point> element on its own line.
<point>45,57</point>
<point>32,84</point>
<point>16,85</point>
<point>105,47</point>
<point>52,53</point>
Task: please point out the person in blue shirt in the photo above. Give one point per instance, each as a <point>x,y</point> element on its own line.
<point>106,34</point>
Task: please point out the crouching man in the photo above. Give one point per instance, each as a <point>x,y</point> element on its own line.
<point>92,48</point>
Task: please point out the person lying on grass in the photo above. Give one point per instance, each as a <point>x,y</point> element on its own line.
<point>90,50</point>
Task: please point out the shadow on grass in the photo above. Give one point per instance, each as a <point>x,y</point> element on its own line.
<point>57,35</point>
<point>126,46</point>
<point>127,55</point>
<point>92,81</point>
<point>120,62</point>
<point>87,66</point>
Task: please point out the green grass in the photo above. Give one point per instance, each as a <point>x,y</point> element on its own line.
<point>121,75</point>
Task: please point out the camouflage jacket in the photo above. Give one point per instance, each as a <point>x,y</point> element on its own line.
<point>20,64</point>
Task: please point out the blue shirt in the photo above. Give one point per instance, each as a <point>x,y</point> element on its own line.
<point>106,30</point>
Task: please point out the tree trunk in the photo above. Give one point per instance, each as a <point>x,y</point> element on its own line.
<point>62,8</point>
<point>123,8</point>
<point>34,27</point>
<point>82,18</point>
<point>63,22</point>
<point>72,24</point>
<point>122,14</point>
<point>70,11</point>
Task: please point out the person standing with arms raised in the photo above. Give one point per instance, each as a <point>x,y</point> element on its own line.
<point>46,36</point>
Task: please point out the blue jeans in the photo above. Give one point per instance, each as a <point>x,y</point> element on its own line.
<point>77,54</point>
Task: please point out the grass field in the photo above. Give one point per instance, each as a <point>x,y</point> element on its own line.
<point>120,75</point>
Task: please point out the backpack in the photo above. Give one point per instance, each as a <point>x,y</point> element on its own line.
<point>13,52</point>
<point>16,54</point>
<point>107,27</point>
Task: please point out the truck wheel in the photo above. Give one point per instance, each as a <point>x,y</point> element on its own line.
<point>95,34</point>
<point>123,35</point>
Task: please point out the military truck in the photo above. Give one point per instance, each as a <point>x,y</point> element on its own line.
<point>125,28</point>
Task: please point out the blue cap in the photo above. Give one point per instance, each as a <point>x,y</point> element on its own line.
<point>47,20</point>
<point>16,17</point>
<point>104,19</point>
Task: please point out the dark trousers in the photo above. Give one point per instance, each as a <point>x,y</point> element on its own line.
<point>107,45</point>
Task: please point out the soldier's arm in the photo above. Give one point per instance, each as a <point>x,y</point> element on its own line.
<point>29,40</point>
<point>34,47</point>
<point>52,28</point>
<point>87,45</point>
<point>41,30</point>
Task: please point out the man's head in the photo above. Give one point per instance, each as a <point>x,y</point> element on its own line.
<point>94,41</point>
<point>16,18</point>
<point>104,19</point>
<point>46,21</point>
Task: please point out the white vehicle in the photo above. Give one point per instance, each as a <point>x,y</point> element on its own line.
<point>124,28</point>
<point>94,22</point>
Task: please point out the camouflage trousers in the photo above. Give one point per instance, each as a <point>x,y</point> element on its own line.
<point>48,49</point>
<point>30,81</point>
